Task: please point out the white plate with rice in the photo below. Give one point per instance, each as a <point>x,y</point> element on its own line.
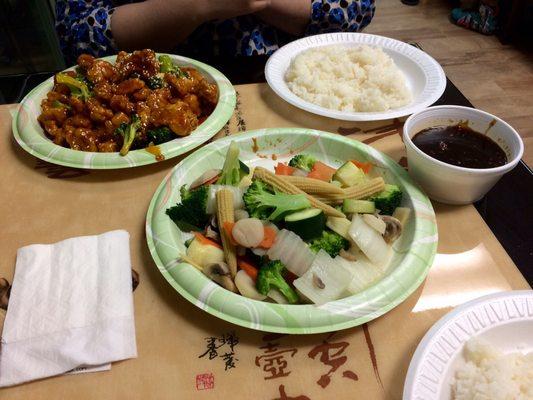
<point>482,348</point>
<point>355,76</point>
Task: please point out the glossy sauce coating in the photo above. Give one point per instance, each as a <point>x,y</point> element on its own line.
<point>461,146</point>
<point>118,91</point>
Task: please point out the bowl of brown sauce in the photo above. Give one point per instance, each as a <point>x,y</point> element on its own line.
<point>458,153</point>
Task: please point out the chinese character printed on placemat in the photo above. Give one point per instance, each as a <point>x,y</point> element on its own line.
<point>273,360</point>
<point>331,355</point>
<point>222,347</point>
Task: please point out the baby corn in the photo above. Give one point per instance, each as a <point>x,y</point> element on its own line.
<point>287,187</point>
<point>366,189</point>
<point>361,191</point>
<point>312,186</point>
<point>226,213</point>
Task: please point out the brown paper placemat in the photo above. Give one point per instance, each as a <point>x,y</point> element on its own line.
<point>185,353</point>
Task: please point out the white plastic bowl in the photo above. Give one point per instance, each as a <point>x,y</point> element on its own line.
<point>448,183</point>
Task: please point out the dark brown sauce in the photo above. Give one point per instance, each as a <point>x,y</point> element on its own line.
<point>255,147</point>
<point>459,145</point>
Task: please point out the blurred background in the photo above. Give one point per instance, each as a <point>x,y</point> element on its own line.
<point>30,53</point>
<point>29,49</point>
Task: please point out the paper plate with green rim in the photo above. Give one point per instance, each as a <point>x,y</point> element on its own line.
<point>412,256</point>
<point>29,134</point>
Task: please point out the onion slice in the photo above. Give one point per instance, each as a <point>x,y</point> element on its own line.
<point>374,222</point>
<point>369,241</point>
<point>325,281</point>
<point>292,251</point>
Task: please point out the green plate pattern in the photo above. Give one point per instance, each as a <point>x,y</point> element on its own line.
<point>412,256</point>
<point>30,136</point>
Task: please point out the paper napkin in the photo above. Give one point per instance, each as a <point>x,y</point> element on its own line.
<point>71,306</point>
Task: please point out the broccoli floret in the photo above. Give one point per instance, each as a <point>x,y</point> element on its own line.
<point>128,132</point>
<point>388,199</point>
<point>270,276</point>
<point>78,86</point>
<point>190,214</point>
<point>165,63</point>
<point>263,202</point>
<point>331,242</point>
<point>167,66</point>
<point>155,82</point>
<point>303,161</point>
<point>233,169</point>
<point>160,135</point>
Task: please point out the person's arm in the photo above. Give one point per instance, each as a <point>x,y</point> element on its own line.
<point>155,24</point>
<point>161,24</point>
<point>100,29</point>
<point>291,16</point>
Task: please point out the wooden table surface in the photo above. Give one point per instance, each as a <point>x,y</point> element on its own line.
<point>44,203</point>
<point>495,77</point>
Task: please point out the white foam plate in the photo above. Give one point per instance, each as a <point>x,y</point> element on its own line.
<point>504,319</point>
<point>425,77</point>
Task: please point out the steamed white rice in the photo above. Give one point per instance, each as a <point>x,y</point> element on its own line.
<point>488,374</point>
<point>353,79</point>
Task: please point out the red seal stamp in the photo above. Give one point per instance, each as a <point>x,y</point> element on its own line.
<point>205,381</point>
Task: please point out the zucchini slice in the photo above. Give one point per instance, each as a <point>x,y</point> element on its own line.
<point>351,206</point>
<point>349,175</point>
<point>307,224</point>
<point>340,226</point>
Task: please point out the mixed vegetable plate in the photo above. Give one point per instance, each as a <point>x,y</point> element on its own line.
<point>303,233</point>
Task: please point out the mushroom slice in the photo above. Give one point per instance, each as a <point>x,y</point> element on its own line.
<point>212,234</point>
<point>318,282</point>
<point>348,255</point>
<point>213,222</point>
<point>393,229</point>
<point>207,176</point>
<point>219,273</point>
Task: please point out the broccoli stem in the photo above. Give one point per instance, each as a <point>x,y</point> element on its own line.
<point>270,276</point>
<point>128,132</point>
<point>231,169</point>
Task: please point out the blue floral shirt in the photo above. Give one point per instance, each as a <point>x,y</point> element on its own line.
<point>85,27</point>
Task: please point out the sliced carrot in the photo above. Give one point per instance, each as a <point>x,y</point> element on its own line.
<point>365,166</point>
<point>268,240</point>
<point>202,239</point>
<point>228,227</point>
<point>284,169</point>
<point>321,171</point>
<point>248,268</point>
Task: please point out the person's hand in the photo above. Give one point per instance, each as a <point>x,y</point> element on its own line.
<point>224,9</point>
